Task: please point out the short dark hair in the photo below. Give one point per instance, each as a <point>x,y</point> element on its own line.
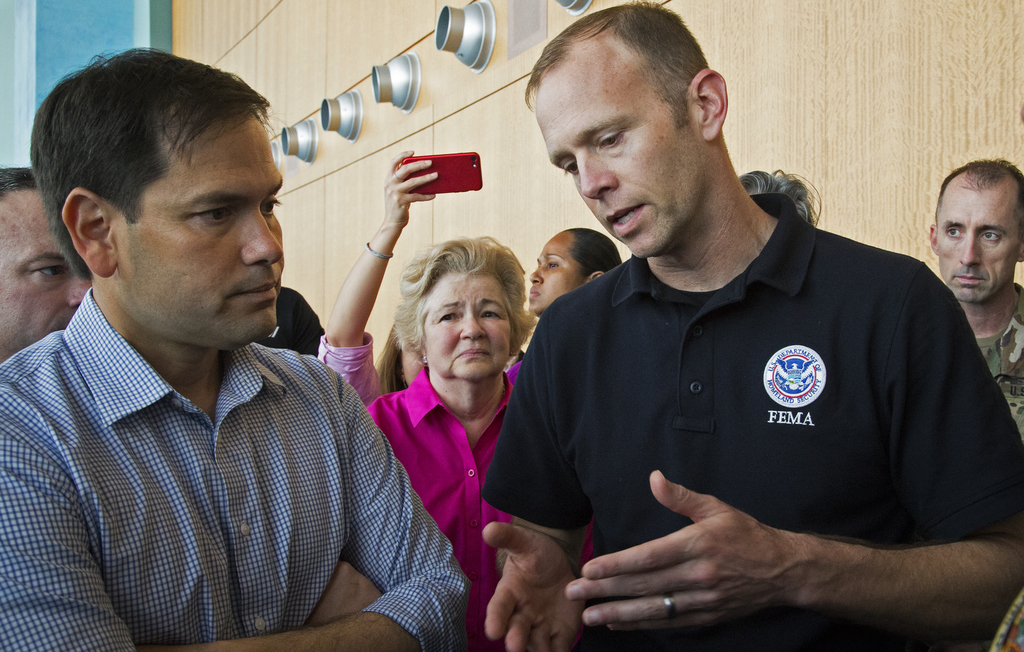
<point>15,179</point>
<point>984,174</point>
<point>670,54</point>
<point>112,126</point>
<point>593,251</point>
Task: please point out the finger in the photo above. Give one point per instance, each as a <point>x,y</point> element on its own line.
<point>405,171</point>
<point>419,197</point>
<point>540,640</point>
<point>515,539</point>
<point>397,161</point>
<point>637,609</point>
<point>411,183</point>
<point>650,557</point>
<point>499,611</point>
<point>679,499</point>
<point>518,637</point>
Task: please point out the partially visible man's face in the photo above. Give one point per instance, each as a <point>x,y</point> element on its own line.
<point>639,173</point>
<point>38,292</point>
<point>201,267</point>
<point>977,239</point>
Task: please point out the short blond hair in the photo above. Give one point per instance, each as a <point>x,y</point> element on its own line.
<point>465,256</point>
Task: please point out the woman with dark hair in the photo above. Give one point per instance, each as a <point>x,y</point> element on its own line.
<point>568,260</point>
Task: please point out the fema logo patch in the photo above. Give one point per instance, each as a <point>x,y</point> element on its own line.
<point>794,376</point>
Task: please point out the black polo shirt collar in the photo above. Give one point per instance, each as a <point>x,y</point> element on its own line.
<point>782,264</point>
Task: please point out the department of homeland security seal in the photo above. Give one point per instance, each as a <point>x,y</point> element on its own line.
<point>794,376</point>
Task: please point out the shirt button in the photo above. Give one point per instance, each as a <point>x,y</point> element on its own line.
<point>470,634</point>
<point>472,473</point>
<point>696,387</point>
<point>245,529</point>
<point>472,522</point>
<point>698,330</point>
<point>176,402</point>
<point>474,576</point>
<point>260,624</point>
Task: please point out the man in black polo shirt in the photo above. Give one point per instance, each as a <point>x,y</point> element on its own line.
<point>746,408</point>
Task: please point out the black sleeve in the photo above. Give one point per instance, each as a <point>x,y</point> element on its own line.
<point>530,475</point>
<point>306,328</point>
<point>956,456</point>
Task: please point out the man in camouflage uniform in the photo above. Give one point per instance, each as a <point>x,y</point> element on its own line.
<point>978,236</point>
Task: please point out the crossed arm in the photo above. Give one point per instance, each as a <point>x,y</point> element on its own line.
<point>727,565</point>
<point>335,624</point>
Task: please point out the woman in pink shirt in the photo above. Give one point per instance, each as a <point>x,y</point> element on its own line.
<point>463,311</point>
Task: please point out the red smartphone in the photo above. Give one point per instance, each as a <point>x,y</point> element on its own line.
<point>455,173</point>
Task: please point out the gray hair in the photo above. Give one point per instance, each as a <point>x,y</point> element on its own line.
<point>800,190</point>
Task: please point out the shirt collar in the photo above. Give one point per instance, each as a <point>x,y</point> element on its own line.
<point>421,397</point>
<point>782,264</point>
<point>122,382</point>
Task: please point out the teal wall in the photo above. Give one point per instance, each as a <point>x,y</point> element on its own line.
<point>41,41</point>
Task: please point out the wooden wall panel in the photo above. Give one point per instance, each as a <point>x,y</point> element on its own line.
<point>187,28</point>
<point>306,53</point>
<point>242,61</point>
<point>355,210</point>
<point>302,221</point>
<point>367,33</point>
<point>383,125</point>
<point>525,200</point>
<point>227,22</point>
<point>272,64</point>
<point>873,101</point>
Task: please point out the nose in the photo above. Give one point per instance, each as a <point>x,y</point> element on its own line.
<point>262,241</point>
<point>77,288</point>
<point>535,277</point>
<point>970,253</point>
<point>471,328</point>
<point>595,178</point>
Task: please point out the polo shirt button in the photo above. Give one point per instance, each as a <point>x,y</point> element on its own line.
<point>472,473</point>
<point>474,576</point>
<point>698,330</point>
<point>696,387</point>
<point>260,624</point>
<point>472,523</point>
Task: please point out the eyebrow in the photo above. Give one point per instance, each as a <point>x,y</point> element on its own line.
<point>46,256</point>
<point>981,227</point>
<point>220,197</point>
<point>458,304</point>
<point>587,136</point>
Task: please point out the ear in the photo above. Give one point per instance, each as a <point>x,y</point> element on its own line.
<point>933,235</point>
<point>710,103</point>
<point>594,275</point>
<point>90,220</point>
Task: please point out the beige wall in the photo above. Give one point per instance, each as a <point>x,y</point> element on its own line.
<point>873,101</point>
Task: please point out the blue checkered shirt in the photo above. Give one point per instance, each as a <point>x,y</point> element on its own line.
<point>128,518</point>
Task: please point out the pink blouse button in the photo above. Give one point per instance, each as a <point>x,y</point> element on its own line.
<point>473,523</point>
<point>472,473</point>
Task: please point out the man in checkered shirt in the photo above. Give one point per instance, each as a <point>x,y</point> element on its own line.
<point>163,481</point>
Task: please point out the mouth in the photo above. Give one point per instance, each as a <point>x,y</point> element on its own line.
<point>260,292</point>
<point>475,353</point>
<point>620,221</point>
<point>534,294</point>
<point>969,280</point>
